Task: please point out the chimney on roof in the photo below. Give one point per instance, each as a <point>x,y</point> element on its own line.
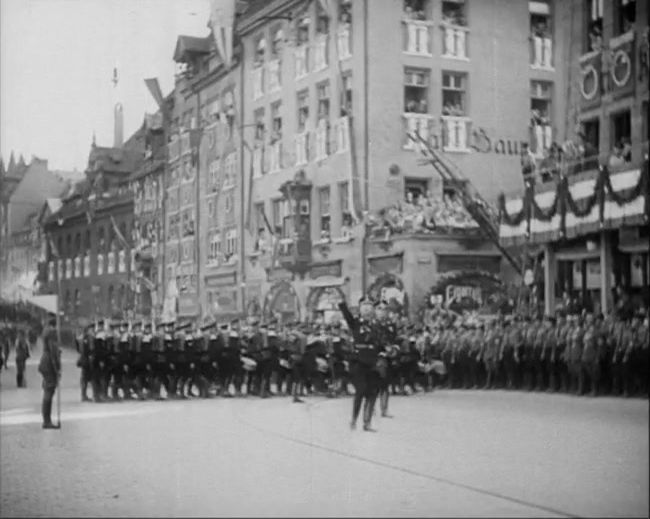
<point>118,136</point>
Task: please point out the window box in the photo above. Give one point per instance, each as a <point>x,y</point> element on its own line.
<point>416,123</point>
<point>541,49</point>
<point>454,41</point>
<point>455,133</point>
<point>417,37</point>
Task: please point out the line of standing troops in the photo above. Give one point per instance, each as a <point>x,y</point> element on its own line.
<point>577,354</point>
<point>573,354</point>
<point>119,361</point>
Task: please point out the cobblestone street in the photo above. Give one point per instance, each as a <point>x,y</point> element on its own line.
<point>460,453</point>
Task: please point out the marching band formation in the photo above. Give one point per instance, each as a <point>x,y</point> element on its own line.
<point>378,351</point>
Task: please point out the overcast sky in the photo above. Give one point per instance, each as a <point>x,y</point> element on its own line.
<point>57,59</point>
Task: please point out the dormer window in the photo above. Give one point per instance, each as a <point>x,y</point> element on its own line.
<point>260,51</point>
<point>303,30</point>
<point>277,43</point>
<point>322,20</point>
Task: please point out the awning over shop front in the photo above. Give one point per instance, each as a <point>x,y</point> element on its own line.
<point>46,302</point>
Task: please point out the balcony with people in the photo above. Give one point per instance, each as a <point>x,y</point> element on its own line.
<point>423,214</point>
<point>344,32</point>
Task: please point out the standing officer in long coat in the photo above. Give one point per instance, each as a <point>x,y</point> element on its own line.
<point>50,369</point>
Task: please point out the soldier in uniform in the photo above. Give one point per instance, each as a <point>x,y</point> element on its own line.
<point>548,347</point>
<point>145,363</point>
<point>364,369</point>
<point>575,346</point>
<point>124,358</point>
<point>527,364</point>
<point>114,375</point>
<point>86,362</point>
<point>620,358</point>
<point>475,359</point>
<point>638,345</point>
<point>99,368</point>
<point>297,344</point>
<point>591,351</point>
<point>559,355</point>
<point>509,353</point>
<point>206,370</point>
<point>490,354</point>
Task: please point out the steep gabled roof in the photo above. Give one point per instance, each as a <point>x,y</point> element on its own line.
<point>114,160</point>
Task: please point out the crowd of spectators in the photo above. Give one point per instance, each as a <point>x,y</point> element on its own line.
<point>571,157</point>
<point>423,214</point>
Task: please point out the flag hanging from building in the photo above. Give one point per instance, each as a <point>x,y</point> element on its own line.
<point>120,236</point>
<point>154,88</point>
<point>222,20</point>
<point>354,186</point>
<point>250,223</point>
<point>55,251</point>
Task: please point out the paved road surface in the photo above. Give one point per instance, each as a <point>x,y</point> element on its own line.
<point>448,453</point>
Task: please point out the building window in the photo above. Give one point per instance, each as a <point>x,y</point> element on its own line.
<point>453,13</point>
<point>214,247</point>
<point>323,96</point>
<point>303,109</point>
<point>415,189</point>
<point>541,49</point>
<point>231,243</point>
<point>230,173</point>
<point>214,171</point>
<point>454,86</point>
<point>276,121</point>
<point>594,39</point>
<point>277,42</point>
<point>416,90</point>
<point>111,299</point>
<point>187,249</point>
<point>343,35</point>
<point>302,30</point>
<point>415,9</point>
<point>324,207</point>
<point>260,50</point>
<point>346,95</point>
<point>281,217</point>
<point>621,133</point>
<point>345,11</point>
<point>68,245</point>
<point>625,13</point>
<point>591,137</point>
<point>540,112</point>
<point>259,124</point>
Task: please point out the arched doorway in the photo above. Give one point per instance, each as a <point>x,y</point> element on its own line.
<point>322,304</point>
<point>282,301</point>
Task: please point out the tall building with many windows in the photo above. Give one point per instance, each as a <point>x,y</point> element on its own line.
<point>593,221</point>
<point>203,185</point>
<point>332,88</point>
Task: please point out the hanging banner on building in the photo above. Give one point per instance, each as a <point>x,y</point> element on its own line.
<point>590,79</point>
<point>222,20</point>
<point>621,66</point>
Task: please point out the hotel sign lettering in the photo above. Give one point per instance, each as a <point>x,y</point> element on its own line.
<point>480,141</point>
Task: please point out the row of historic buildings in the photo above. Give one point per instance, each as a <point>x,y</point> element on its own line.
<point>278,176</point>
<point>25,189</point>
